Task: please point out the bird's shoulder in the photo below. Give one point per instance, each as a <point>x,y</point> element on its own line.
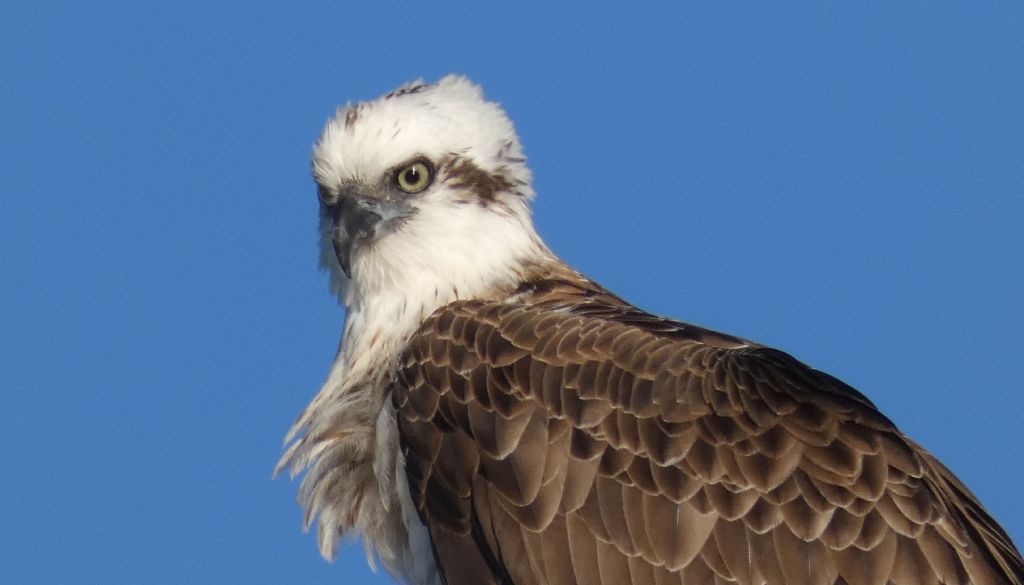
<point>562,410</point>
<point>571,323</point>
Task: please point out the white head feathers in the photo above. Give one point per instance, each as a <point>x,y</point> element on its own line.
<point>469,230</point>
<point>448,118</point>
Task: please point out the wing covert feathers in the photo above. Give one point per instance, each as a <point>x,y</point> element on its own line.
<point>565,437</point>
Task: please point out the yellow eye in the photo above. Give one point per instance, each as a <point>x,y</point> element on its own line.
<point>414,177</point>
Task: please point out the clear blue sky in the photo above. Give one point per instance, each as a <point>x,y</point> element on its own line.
<point>845,183</point>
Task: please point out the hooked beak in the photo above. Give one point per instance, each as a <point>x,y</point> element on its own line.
<point>359,218</point>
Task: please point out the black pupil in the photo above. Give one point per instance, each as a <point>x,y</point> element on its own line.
<point>412,176</point>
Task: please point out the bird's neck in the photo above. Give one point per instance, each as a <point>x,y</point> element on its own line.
<point>386,308</point>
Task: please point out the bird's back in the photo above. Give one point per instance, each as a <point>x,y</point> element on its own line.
<point>563,436</point>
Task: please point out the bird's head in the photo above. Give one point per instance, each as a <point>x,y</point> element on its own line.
<point>425,187</point>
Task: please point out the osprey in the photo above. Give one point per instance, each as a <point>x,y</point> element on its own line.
<point>495,417</point>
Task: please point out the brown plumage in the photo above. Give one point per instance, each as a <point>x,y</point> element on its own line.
<point>492,417</point>
<point>560,435</point>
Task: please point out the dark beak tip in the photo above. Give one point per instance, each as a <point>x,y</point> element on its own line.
<point>343,252</point>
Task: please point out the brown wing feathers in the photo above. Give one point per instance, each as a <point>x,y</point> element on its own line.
<point>570,438</point>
